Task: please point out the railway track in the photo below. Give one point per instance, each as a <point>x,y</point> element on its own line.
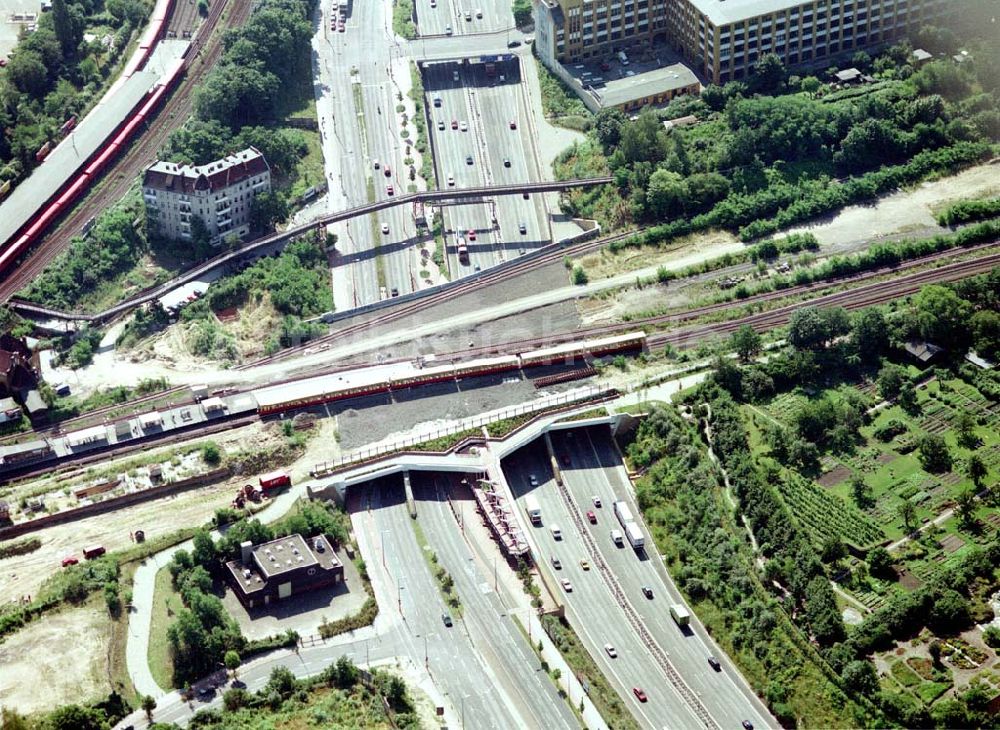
<point>202,55</point>
<point>557,253</point>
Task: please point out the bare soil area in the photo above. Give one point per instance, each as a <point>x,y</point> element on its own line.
<point>56,661</point>
<point>602,264</point>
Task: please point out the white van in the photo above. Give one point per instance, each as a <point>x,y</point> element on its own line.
<point>623,58</point>
<point>556,532</point>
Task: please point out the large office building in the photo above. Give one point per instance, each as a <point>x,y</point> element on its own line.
<point>220,193</point>
<point>723,39</point>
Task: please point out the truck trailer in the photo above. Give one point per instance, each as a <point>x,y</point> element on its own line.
<point>680,614</point>
<point>94,551</point>
<point>623,513</point>
<point>275,480</point>
<point>634,535</point>
<point>533,509</point>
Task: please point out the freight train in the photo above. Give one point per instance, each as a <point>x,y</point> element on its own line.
<point>116,141</point>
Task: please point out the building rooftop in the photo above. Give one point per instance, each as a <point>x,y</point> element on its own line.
<point>641,85</point>
<point>724,12</point>
<point>276,558</point>
<point>213,176</point>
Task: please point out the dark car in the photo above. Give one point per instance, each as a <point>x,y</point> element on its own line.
<point>714,664</point>
<point>639,694</point>
<point>522,228</point>
<point>513,44</point>
<point>747,725</point>
<point>647,591</point>
<point>468,159</point>
<point>446,619</point>
<point>506,162</point>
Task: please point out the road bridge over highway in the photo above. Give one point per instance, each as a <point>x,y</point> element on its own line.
<point>438,197</point>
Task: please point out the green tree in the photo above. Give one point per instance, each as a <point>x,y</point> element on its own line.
<point>746,342</point>
<point>666,193</point>
<point>282,681</point>
<point>965,430</point>
<point>75,717</point>
<point>28,73</point>
<point>768,75</point>
<point>942,316</point>
<point>950,611</point>
<point>148,705</point>
<point>580,275</point>
<point>880,561</point>
<point>860,676</point>
<point>204,553</point>
<point>985,326</point>
<point>67,21</point>
<point>966,507</point>
<point>976,470</point>
<point>232,661</point>
<point>810,85</point>
<point>833,550</point>
<point>521,10</point>
<point>608,123</point>
<point>869,334</point>
<point>861,493</point>
<point>908,513</point>
<point>814,328</point>
<point>933,453</point>
<point>890,381</point>
<point>267,209</point>
<point>821,611</point>
<point>211,454</point>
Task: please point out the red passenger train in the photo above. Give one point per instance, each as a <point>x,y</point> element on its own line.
<point>115,142</point>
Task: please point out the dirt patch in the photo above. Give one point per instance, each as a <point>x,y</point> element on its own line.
<point>922,666</point>
<point>835,476</point>
<point>56,660</point>
<point>951,543</point>
<point>907,579</point>
<point>604,263</point>
<point>887,457</point>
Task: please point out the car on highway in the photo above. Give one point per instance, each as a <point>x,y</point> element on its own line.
<point>523,229</point>
<point>714,664</point>
<point>441,124</point>
<point>454,124</point>
<point>584,564</point>
<point>385,228</point>
<point>468,159</point>
<point>468,15</point>
<point>464,127</point>
<point>387,171</point>
<point>389,190</point>
<point>454,75</point>
<point>556,563</point>
<point>647,592</point>
<point>566,585</point>
<point>513,124</point>
<point>434,3</point>
<point>596,500</point>
<point>447,30</point>
<point>639,694</point>
<point>612,652</point>
<point>591,517</point>
<point>395,292</point>
<point>446,619</point>
<point>471,235</point>
<point>533,480</point>
<point>556,532</point>
<point>341,28</point>
<point>617,538</point>
<point>747,725</point>
<point>479,13</point>
<point>377,164</point>
<point>525,196</point>
<point>437,101</point>
<point>506,162</point>
<point>513,44</point>
<point>451,181</point>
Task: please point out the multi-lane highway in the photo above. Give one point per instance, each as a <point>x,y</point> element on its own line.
<point>593,608</point>
<point>486,617</point>
<point>480,138</point>
<point>477,661</point>
<point>462,17</point>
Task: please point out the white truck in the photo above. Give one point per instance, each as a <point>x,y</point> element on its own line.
<point>623,513</point>
<point>634,535</point>
<point>533,509</point>
<point>680,614</point>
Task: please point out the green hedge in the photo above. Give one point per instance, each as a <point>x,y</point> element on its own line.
<point>969,210</point>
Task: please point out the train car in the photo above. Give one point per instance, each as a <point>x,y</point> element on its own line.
<point>66,199</point>
<point>487,366</point>
<point>617,343</point>
<point>566,352</point>
<point>421,376</point>
<point>319,390</point>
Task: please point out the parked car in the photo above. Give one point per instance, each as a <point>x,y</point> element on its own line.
<point>70,560</point>
<point>513,44</point>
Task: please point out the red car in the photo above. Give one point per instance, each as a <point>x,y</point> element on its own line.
<point>454,124</point>
<point>341,28</point>
<point>472,235</point>
<point>70,560</point>
<point>591,516</point>
<point>513,124</point>
<point>389,190</point>
<point>639,694</point>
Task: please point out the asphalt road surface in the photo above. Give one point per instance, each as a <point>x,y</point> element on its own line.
<point>595,469</point>
<point>592,608</point>
<point>515,665</point>
<point>464,17</point>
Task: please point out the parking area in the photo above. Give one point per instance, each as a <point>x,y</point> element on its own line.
<point>478,118</point>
